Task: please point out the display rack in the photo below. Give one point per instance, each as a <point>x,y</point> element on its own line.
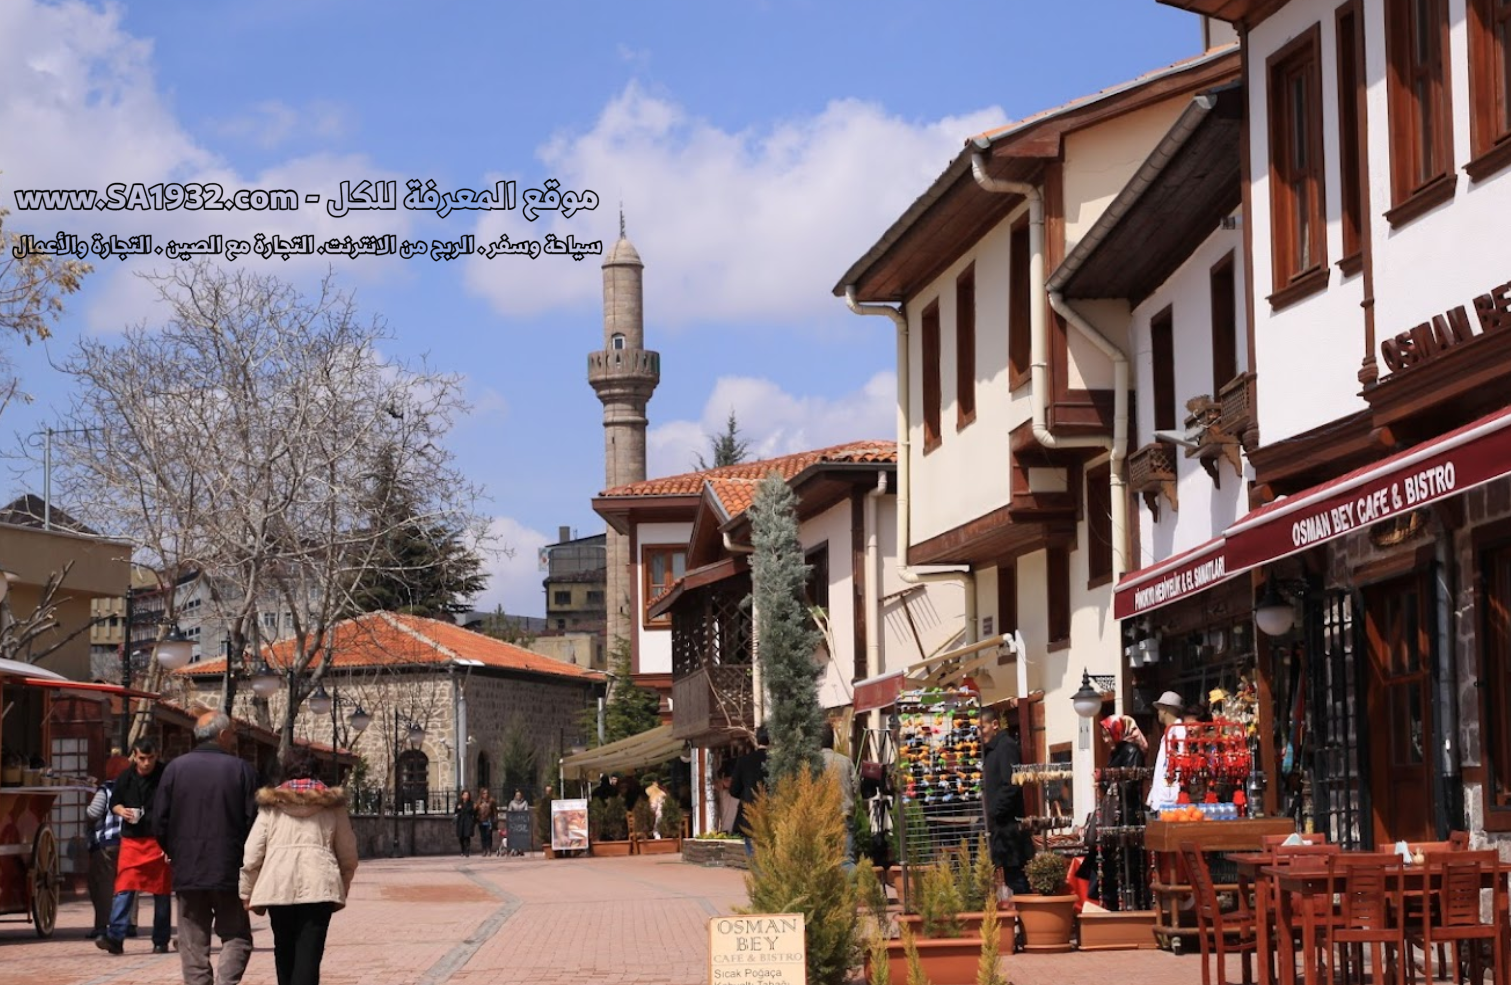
<point>1211,761</point>
<point>1054,831</point>
<point>939,782</point>
<point>1122,859</point>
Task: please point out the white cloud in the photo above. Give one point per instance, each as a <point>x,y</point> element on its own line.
<point>775,422</point>
<point>755,224</point>
<point>272,122</point>
<point>514,575</point>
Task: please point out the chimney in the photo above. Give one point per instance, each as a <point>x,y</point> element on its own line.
<point>563,534</point>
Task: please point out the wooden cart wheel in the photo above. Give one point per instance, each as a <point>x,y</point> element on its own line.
<point>44,880</point>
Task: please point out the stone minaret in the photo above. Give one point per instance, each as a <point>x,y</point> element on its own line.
<point>624,374</point>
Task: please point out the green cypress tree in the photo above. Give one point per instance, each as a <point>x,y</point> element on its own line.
<point>785,637</point>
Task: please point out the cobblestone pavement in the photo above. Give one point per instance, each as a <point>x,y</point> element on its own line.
<point>452,921</point>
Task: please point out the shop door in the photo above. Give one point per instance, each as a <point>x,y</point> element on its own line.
<point>1399,698</point>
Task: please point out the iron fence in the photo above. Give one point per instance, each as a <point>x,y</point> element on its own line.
<point>432,800</point>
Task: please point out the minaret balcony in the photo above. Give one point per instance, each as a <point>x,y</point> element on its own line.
<point>631,365</point>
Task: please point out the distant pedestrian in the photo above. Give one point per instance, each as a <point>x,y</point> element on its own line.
<point>104,846</point>
<point>466,820</point>
<point>1002,800</point>
<point>746,783</point>
<point>300,860</point>
<point>205,809</point>
<point>519,803</point>
<point>487,816</point>
<point>141,866</point>
<point>843,771</point>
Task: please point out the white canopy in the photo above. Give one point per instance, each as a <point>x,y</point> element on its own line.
<point>638,751</point>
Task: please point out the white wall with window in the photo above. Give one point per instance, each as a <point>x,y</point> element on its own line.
<point>660,559</point>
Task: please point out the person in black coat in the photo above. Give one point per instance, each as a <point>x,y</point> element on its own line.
<point>205,807</point>
<point>747,781</point>
<point>1002,800</point>
<point>466,821</point>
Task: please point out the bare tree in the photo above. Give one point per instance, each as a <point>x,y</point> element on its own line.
<point>32,287</point>
<point>241,438</point>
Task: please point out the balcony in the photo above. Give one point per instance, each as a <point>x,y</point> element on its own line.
<point>1151,472</point>
<point>1210,442</point>
<point>1237,399</point>
<point>711,704</point>
<point>712,655</point>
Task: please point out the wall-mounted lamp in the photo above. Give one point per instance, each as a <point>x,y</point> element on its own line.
<point>1274,613</point>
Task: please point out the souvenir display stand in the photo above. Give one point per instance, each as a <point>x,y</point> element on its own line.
<point>939,782</point>
<point>1126,918</point>
<point>1212,762</point>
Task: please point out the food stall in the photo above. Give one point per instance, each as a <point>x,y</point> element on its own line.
<point>30,851</point>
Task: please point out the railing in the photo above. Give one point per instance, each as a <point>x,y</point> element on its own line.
<point>432,800</point>
<point>713,700</point>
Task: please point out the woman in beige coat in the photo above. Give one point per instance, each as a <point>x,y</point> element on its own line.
<point>298,865</point>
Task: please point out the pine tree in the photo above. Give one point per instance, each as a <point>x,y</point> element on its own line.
<point>727,448</point>
<point>785,638</point>
<point>630,709</point>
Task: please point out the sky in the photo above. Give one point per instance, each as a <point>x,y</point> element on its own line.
<point>757,149</point>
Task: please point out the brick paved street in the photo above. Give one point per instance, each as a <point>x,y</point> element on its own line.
<point>428,921</point>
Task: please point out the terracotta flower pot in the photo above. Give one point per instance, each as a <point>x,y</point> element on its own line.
<point>605,849</point>
<point>946,960</point>
<point>659,846</point>
<point>970,926</point>
<point>1048,921</point>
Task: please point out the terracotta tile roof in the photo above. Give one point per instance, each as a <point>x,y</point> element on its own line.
<point>691,483</point>
<point>388,639</point>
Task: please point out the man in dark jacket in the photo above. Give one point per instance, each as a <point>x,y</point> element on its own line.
<point>206,804</point>
<point>748,780</point>
<point>1002,799</point>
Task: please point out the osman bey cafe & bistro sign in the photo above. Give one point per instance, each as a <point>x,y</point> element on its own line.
<point>765,948</point>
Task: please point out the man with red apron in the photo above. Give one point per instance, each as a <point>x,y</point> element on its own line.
<point>141,866</point>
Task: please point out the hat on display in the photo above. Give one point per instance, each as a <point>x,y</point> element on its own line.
<point>1172,701</point>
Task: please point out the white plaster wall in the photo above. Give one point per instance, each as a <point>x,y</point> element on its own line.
<point>940,500</point>
<point>1205,510</point>
<point>655,645</point>
<point>937,609</point>
<point>833,527</point>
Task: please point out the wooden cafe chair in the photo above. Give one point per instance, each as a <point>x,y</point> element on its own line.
<point>1219,933</point>
<point>1451,912</point>
<point>1368,886</point>
<point>1270,842</point>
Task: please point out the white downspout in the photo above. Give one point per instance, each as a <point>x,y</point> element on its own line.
<point>872,600</point>
<point>1039,364</point>
<point>966,579</point>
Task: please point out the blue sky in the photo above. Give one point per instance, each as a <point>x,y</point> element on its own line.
<point>758,149</point>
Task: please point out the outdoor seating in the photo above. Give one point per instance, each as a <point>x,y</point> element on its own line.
<point>1454,915</point>
<point>1220,933</point>
<point>1269,842</point>
<point>1369,887</point>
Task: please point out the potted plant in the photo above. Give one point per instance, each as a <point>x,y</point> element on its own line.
<point>940,947</point>
<point>608,828</point>
<point>975,882</point>
<point>1048,912</point>
<point>543,823</point>
<point>651,837</point>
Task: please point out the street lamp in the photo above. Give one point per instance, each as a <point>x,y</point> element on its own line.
<point>1273,614</point>
<point>1088,700</point>
<point>265,680</point>
<point>174,650</point>
<point>320,702</point>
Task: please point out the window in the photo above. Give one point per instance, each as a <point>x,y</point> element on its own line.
<point>414,776</point>
<point>929,338</point>
<point>1099,525</point>
<point>1224,324</point>
<point>561,624</point>
<point>816,588</point>
<point>595,597</point>
<point>1162,355</point>
<point>1350,136</point>
<point>561,598</point>
<point>617,341</point>
<point>1019,341</point>
<point>662,566</point>
<point>1058,577</point>
<point>1489,86</point>
<point>1421,107</point>
<point>965,347</point>
<point>1007,597</point>
<point>1298,241</point>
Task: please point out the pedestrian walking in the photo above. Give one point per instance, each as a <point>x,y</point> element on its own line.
<point>843,772</point>
<point>466,820</point>
<point>747,781</point>
<point>487,818</point>
<point>1002,800</point>
<point>205,808</point>
<point>104,846</point>
<point>141,866</point>
<point>299,864</point>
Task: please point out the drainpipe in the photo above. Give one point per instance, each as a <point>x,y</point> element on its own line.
<point>872,600</point>
<point>966,579</point>
<point>1039,365</point>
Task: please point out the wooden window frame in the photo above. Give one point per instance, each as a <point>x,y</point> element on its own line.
<point>1007,596</point>
<point>1099,526</point>
<point>1019,307</point>
<point>1349,66</point>
<point>1297,269</point>
<point>1489,88</point>
<point>1224,321</point>
<point>928,340</point>
<point>1058,608</point>
<point>1422,174</point>
<point>647,551</point>
<point>1491,542</point>
<point>816,582</point>
<point>965,347</point>
<point>1162,362</point>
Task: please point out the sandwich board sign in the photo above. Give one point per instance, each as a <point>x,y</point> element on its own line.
<point>758,949</point>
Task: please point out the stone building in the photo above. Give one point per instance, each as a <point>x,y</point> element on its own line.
<point>624,374</point>
<point>576,584</point>
<point>483,704</point>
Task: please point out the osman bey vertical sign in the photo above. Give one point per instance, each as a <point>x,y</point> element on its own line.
<point>769,948</point>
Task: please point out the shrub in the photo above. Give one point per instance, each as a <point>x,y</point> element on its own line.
<point>881,966</point>
<point>1046,873</point>
<point>543,820</point>
<point>798,866</point>
<point>607,820</point>
<point>920,851</point>
<point>915,963</point>
<point>670,825</point>
<point>986,969</point>
<point>940,903</point>
<point>871,893</point>
<point>860,825</point>
<point>645,817</point>
<point>963,871</point>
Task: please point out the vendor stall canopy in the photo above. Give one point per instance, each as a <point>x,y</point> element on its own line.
<point>637,752</point>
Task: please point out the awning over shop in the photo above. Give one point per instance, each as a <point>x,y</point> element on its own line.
<point>877,692</point>
<point>638,751</point>
<point>1448,465</point>
<point>977,661</point>
<point>102,691</point>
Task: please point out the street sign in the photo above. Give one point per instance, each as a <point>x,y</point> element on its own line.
<point>769,948</point>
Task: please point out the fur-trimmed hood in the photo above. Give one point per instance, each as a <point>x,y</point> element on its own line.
<point>301,802</point>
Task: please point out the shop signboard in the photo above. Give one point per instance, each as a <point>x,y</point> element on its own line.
<point>1172,580</point>
<point>769,948</point>
<point>517,833</point>
<point>569,825</point>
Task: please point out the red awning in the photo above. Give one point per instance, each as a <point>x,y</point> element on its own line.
<point>1173,579</point>
<point>1446,466</point>
<point>108,690</point>
<point>877,692</point>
